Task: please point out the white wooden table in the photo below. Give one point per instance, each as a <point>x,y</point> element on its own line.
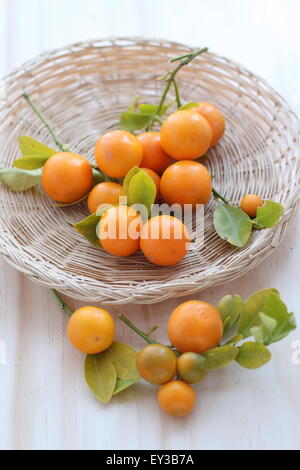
<point>44,403</point>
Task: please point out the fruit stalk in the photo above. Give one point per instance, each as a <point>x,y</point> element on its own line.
<point>218,196</point>
<point>62,304</point>
<point>137,330</point>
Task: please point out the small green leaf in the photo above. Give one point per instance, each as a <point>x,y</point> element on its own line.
<point>133,122</point>
<point>189,105</point>
<point>142,190</point>
<point>252,308</point>
<point>232,224</point>
<point>32,147</point>
<point>230,307</point>
<point>123,358</point>
<point>30,162</point>
<point>132,107</point>
<point>220,357</point>
<point>134,171</point>
<point>99,177</point>
<point>20,180</point>
<point>122,385</point>
<point>253,355</point>
<point>151,109</point>
<point>235,340</point>
<point>88,228</point>
<point>268,215</point>
<point>101,376</point>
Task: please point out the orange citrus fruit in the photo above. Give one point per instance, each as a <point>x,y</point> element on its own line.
<point>104,193</point>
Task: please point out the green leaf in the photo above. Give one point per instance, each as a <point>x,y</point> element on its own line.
<point>232,224</point>
<point>88,228</point>
<point>151,109</point>
<point>123,358</point>
<point>122,385</point>
<point>101,376</point>
<point>133,104</point>
<point>252,308</point>
<point>142,190</point>
<point>30,162</point>
<point>58,204</point>
<point>20,180</point>
<point>133,122</point>
<point>253,355</point>
<point>220,357</point>
<point>236,339</point>
<point>268,215</point>
<point>134,171</point>
<point>99,177</point>
<point>34,148</point>
<point>189,105</point>
<point>230,307</point>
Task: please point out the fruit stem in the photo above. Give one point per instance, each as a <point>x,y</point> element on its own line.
<point>218,196</point>
<point>137,330</point>
<point>56,139</point>
<point>170,79</point>
<point>62,304</point>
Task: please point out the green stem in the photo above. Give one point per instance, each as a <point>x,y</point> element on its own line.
<point>178,99</point>
<point>56,139</point>
<point>170,79</point>
<point>62,304</point>
<point>137,330</point>
<point>218,196</point>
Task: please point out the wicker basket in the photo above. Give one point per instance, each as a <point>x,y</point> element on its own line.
<point>82,89</point>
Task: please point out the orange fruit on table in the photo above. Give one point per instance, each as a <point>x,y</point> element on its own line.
<point>91,330</point>
<point>156,180</point>
<point>186,135</point>
<point>195,326</point>
<point>177,398</point>
<point>104,193</point>
<point>215,119</point>
<point>117,152</point>
<point>157,364</point>
<point>154,156</point>
<point>67,177</point>
<point>186,182</point>
<point>164,240</point>
<point>119,231</point>
<point>250,204</point>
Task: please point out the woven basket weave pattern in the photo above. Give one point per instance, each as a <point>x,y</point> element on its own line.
<point>82,90</point>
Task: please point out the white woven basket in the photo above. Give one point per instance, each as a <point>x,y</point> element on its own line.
<point>82,89</point>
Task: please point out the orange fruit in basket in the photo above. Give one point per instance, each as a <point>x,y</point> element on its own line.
<point>186,182</point>
<point>67,177</point>
<point>176,398</point>
<point>250,204</point>
<point>91,330</point>
<point>119,231</point>
<point>156,180</point>
<point>195,326</point>
<point>117,152</point>
<point>157,364</point>
<point>154,156</point>
<point>186,135</point>
<point>164,240</point>
<point>215,119</point>
<point>104,193</point>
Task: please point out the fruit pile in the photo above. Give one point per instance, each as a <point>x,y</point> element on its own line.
<point>202,338</point>
<point>134,170</point>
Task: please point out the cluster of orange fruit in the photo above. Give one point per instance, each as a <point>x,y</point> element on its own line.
<point>194,327</point>
<point>168,157</point>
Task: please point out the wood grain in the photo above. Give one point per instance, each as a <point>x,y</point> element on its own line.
<point>44,401</point>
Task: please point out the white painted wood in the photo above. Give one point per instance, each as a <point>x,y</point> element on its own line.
<point>44,403</point>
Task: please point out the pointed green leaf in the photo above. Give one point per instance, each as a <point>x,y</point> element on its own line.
<point>235,340</point>
<point>232,224</point>
<point>20,180</point>
<point>88,228</point>
<point>122,385</point>
<point>101,376</point>
<point>134,171</point>
<point>253,355</point>
<point>230,307</point>
<point>133,104</point>
<point>32,147</point>
<point>268,215</point>
<point>142,190</point>
<point>133,122</point>
<point>30,162</point>
<point>189,105</point>
<point>123,358</point>
<point>150,109</point>
<point>252,308</point>
<point>220,357</point>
